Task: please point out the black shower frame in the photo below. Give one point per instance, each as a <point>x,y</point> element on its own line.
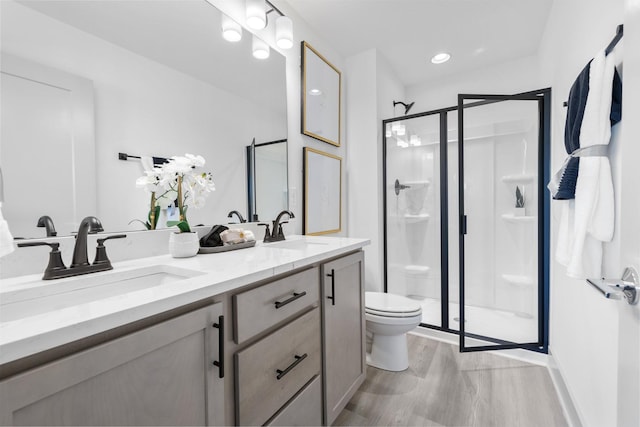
<point>544,160</point>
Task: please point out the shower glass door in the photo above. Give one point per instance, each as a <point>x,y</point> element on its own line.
<point>502,208</point>
<point>413,228</point>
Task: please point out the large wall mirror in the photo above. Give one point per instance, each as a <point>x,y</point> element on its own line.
<point>162,82</point>
<point>321,89</point>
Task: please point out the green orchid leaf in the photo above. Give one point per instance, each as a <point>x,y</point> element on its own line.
<point>182,225</point>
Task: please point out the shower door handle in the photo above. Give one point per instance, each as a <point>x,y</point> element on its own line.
<point>463,224</point>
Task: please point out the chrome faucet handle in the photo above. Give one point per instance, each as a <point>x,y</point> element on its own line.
<point>101,250</point>
<point>56,264</point>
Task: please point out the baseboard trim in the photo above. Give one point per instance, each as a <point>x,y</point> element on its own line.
<point>570,412</point>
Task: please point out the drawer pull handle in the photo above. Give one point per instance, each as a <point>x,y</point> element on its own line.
<point>290,367</point>
<point>333,286</point>
<point>220,363</point>
<point>292,299</point>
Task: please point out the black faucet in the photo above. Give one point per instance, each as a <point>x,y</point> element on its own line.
<point>238,214</point>
<point>276,232</point>
<point>80,263</point>
<point>46,222</point>
<point>89,224</point>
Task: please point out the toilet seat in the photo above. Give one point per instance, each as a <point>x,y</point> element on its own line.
<point>390,305</point>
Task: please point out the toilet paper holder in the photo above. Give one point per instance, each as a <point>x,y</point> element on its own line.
<point>627,287</point>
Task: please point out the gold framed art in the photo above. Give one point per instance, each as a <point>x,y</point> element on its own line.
<point>321,97</point>
<point>322,192</point>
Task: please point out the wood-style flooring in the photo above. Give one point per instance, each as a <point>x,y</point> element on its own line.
<point>444,387</point>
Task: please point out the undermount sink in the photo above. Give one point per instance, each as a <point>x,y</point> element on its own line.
<point>37,297</point>
<point>298,244</point>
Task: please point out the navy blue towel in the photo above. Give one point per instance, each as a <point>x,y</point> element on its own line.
<point>575,112</point>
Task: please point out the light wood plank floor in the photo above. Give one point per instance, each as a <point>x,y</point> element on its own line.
<point>444,387</point>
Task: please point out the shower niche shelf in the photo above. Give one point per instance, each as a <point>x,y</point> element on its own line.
<point>518,280</point>
<point>518,178</point>
<point>518,219</point>
<point>416,270</point>
<point>413,218</point>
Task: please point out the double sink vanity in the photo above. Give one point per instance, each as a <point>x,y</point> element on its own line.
<point>273,334</point>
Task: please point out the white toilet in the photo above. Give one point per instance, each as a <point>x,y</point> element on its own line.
<point>389,317</point>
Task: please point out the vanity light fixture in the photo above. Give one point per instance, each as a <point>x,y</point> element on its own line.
<point>256,14</point>
<point>402,143</point>
<point>440,58</point>
<point>231,30</point>
<point>284,32</point>
<point>260,48</point>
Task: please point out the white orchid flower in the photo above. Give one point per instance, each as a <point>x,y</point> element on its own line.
<point>196,160</point>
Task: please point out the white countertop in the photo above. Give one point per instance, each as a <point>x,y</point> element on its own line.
<point>217,274</point>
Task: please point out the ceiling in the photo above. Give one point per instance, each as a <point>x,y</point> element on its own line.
<point>477,33</point>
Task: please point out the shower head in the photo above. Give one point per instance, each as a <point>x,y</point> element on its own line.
<point>407,107</point>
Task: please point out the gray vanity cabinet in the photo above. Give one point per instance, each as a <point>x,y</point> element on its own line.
<point>344,331</point>
<point>161,375</point>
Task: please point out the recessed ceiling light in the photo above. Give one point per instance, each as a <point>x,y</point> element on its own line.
<point>440,58</point>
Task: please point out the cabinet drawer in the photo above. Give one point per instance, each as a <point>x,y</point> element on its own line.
<point>262,307</point>
<point>270,372</point>
<point>303,410</point>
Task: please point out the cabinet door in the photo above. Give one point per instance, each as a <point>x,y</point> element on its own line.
<point>161,375</point>
<point>344,331</point>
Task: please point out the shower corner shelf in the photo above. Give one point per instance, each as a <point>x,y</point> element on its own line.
<point>413,218</point>
<point>525,177</point>
<point>416,270</point>
<point>515,219</point>
<point>518,280</point>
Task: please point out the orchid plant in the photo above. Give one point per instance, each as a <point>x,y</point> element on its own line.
<point>178,179</point>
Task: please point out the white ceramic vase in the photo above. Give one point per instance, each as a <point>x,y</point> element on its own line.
<point>519,212</point>
<point>184,245</point>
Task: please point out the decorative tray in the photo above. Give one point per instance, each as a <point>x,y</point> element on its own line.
<point>225,248</point>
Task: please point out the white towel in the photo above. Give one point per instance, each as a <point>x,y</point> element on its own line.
<point>147,163</point>
<point>6,239</point>
<point>589,221</point>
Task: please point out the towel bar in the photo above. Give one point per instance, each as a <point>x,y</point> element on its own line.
<point>628,287</point>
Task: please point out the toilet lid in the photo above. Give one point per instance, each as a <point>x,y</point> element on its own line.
<point>390,305</point>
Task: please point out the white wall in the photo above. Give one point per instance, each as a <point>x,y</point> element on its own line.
<point>583,324</point>
<point>145,108</point>
<point>372,88</point>
<point>508,78</point>
<point>629,316</point>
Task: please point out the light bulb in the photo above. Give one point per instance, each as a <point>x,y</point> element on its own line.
<point>387,131</point>
<point>415,140</point>
<point>401,130</point>
<point>260,48</point>
<point>256,14</point>
<point>440,58</point>
<point>231,30</point>
<point>284,32</point>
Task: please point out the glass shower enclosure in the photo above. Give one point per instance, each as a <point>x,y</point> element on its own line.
<point>466,218</point>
